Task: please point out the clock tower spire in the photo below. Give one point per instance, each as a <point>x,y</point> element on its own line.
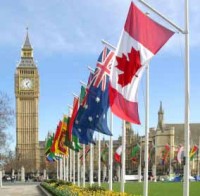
<point>27,98</point>
<point>27,53</point>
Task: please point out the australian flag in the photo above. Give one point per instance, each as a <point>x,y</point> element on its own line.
<point>94,110</point>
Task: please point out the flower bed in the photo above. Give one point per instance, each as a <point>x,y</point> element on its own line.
<point>62,188</point>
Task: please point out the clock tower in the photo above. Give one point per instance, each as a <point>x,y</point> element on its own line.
<point>27,95</point>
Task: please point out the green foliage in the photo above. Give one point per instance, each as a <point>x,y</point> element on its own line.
<point>95,188</point>
<point>58,182</point>
<point>62,182</point>
<point>56,192</point>
<point>131,188</point>
<point>50,180</point>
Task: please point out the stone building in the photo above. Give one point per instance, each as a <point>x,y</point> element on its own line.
<point>27,98</point>
<point>131,140</point>
<point>29,150</point>
<point>173,135</point>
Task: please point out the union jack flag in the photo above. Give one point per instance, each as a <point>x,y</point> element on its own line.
<point>93,111</point>
<point>103,67</point>
<point>87,88</point>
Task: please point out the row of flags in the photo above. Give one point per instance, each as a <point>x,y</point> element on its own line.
<point>180,153</point>
<point>165,153</point>
<point>57,145</point>
<point>113,84</point>
<point>115,80</point>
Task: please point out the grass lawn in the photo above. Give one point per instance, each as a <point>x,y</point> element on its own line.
<point>157,188</point>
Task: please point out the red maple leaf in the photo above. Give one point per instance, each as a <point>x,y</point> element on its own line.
<point>129,66</point>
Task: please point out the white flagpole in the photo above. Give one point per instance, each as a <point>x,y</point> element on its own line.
<point>99,160</point>
<point>91,164</point>
<point>67,169</point>
<point>57,168</point>
<point>140,165</point>
<point>74,168</point>
<point>61,170</point>
<point>187,89</point>
<point>64,169</point>
<point>70,151</point>
<point>78,168</point>
<point>111,153</point>
<point>83,165</point>
<point>198,158</point>
<point>170,158</point>
<point>145,191</point>
<point>123,161</point>
<point>70,166</point>
<point>163,17</point>
<point>187,96</point>
<point>155,174</point>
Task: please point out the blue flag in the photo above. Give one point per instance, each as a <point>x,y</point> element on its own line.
<point>85,137</point>
<point>94,110</point>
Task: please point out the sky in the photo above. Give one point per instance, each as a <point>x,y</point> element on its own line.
<point>66,37</point>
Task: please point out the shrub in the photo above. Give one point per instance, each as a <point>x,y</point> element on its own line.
<point>50,180</point>
<point>55,191</point>
<point>95,188</point>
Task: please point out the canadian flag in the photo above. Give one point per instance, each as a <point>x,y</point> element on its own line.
<point>117,155</point>
<point>140,40</point>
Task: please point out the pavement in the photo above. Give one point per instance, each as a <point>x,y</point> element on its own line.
<point>23,189</point>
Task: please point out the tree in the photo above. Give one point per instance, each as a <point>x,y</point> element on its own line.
<point>6,112</point>
<point>6,119</point>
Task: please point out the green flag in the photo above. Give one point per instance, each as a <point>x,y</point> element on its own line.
<point>134,152</point>
<point>104,155</point>
<point>48,144</point>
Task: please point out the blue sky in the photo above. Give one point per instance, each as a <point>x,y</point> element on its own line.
<point>66,37</point>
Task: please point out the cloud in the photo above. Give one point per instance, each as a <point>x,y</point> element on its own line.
<point>175,12</point>
<point>66,26</point>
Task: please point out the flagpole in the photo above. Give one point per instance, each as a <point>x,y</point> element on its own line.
<point>70,151</point>
<point>70,166</point>
<point>145,190</point>
<point>155,174</point>
<point>187,95</point>
<point>170,159</point>
<point>111,153</point>
<point>99,160</point>
<point>83,165</point>
<point>61,171</point>
<point>91,164</point>
<point>140,165</point>
<point>123,156</point>
<point>67,169</point>
<point>187,89</point>
<point>78,168</point>
<point>163,17</point>
<point>57,169</point>
<point>74,168</point>
<point>64,169</point>
<point>198,159</point>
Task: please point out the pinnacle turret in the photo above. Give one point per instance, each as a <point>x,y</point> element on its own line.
<point>27,53</point>
<point>161,124</point>
<point>27,44</point>
<point>161,109</point>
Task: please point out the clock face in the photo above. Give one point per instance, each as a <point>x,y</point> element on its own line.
<point>26,84</point>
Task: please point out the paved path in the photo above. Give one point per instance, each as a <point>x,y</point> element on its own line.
<point>21,190</point>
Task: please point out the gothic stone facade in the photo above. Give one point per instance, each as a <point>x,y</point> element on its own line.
<point>27,95</point>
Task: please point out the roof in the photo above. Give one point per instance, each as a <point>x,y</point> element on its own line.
<point>27,44</point>
<point>179,132</point>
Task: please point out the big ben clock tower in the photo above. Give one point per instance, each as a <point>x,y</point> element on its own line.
<point>27,95</point>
